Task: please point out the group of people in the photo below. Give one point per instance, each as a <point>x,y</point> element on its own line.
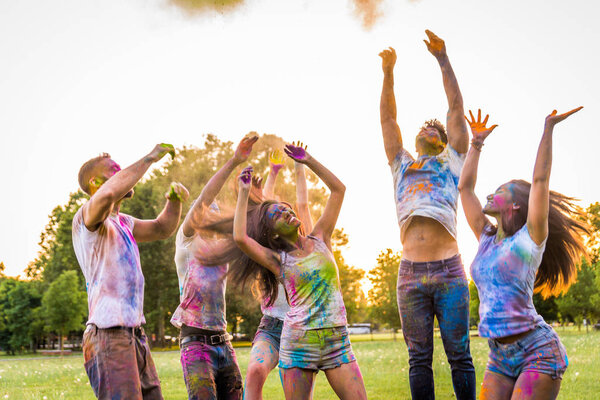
<point>274,246</point>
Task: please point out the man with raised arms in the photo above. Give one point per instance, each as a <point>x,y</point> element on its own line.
<point>431,278</point>
<point>116,353</point>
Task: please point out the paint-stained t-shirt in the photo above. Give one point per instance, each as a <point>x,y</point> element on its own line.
<point>110,261</point>
<point>313,287</point>
<point>427,187</point>
<point>504,274</point>
<point>201,289</point>
<point>280,306</point>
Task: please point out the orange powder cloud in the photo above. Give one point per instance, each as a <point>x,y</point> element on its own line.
<point>369,11</point>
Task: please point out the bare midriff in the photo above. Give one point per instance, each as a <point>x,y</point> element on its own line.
<point>426,239</point>
<point>513,338</point>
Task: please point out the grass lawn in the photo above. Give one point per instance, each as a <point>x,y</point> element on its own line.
<point>384,364</point>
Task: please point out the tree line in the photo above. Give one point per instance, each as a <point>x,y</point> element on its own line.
<point>51,303</point>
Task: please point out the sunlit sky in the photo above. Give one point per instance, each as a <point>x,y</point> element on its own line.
<point>80,77</point>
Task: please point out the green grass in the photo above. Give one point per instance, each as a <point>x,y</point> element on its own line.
<point>384,364</point>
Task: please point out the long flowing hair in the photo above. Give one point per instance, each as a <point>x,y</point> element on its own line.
<point>564,246</point>
<point>242,269</point>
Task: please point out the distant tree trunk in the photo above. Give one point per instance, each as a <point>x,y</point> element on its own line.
<point>60,341</point>
<point>161,324</point>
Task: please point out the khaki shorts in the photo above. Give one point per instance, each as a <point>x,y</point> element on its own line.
<point>119,365</point>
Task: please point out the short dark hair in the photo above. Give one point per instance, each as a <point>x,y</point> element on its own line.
<point>434,123</point>
<point>86,170</point>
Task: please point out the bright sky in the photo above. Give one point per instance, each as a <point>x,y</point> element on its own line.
<point>80,77</point>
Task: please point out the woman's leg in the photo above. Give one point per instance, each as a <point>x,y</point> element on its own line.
<point>297,383</point>
<point>347,381</point>
<point>532,385</point>
<point>496,386</point>
<point>263,358</point>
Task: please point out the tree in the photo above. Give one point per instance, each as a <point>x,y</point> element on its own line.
<point>473,304</point>
<point>6,286</point>
<point>56,254</point>
<point>577,303</point>
<point>64,305</point>
<point>22,300</point>
<point>383,295</point>
<point>243,310</point>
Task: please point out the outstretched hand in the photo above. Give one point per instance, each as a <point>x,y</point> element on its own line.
<point>177,192</point>
<point>244,148</point>
<point>245,178</point>
<point>388,59</point>
<point>436,45</point>
<point>555,118</point>
<point>276,160</point>
<point>478,127</point>
<point>160,150</point>
<point>297,152</point>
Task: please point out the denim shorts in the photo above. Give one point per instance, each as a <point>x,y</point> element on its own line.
<point>315,349</point>
<point>540,351</point>
<point>269,330</point>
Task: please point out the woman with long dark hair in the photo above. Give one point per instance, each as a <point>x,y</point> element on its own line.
<point>264,355</point>
<point>314,334</point>
<point>534,247</point>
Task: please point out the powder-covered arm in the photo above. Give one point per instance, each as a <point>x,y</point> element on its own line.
<point>392,138</point>
<point>326,224</point>
<point>215,184</point>
<point>103,199</point>
<point>458,136</point>
<point>539,195</point>
<point>262,255</point>
<point>468,177</point>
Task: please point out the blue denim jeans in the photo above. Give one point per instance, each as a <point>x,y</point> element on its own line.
<point>211,372</point>
<point>440,289</point>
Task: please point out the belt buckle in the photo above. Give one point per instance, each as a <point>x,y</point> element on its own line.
<point>218,340</point>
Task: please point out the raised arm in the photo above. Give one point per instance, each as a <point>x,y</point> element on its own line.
<point>458,137</point>
<point>262,255</point>
<point>392,138</point>
<point>302,197</point>
<point>106,193</point>
<point>468,177</point>
<point>275,165</point>
<point>148,230</point>
<point>326,224</point>
<point>539,195</point>
<point>215,184</point>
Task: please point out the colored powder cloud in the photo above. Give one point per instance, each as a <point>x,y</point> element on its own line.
<point>369,11</point>
<point>197,7</point>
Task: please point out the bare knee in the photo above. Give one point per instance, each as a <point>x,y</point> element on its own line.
<point>257,373</point>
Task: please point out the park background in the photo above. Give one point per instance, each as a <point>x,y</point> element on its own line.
<point>80,77</point>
